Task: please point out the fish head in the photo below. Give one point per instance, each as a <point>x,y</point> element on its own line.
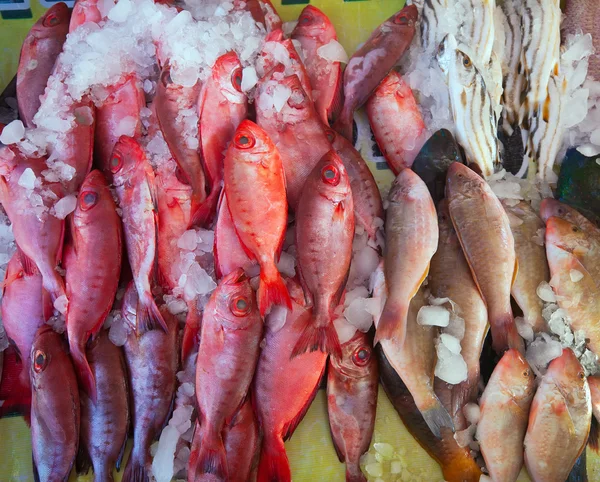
<point>235,303</point>
<point>357,357</point>
<point>456,63</point>
<point>568,375</point>
<point>312,23</point>
<point>126,155</point>
<point>227,74</point>
<point>330,179</point>
<point>409,187</point>
<point>251,144</point>
<point>404,20</point>
<point>47,345</point>
<point>297,108</point>
<point>94,192</point>
<point>515,375</point>
<point>551,207</point>
<point>462,179</point>
<point>54,22</point>
<point>568,237</point>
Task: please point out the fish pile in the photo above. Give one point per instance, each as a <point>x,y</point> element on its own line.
<point>194,244</point>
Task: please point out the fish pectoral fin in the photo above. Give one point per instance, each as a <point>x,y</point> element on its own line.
<point>515,272</point>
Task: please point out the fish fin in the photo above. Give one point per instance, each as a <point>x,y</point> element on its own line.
<point>212,457</point>
<point>273,464</point>
<point>135,471</point>
<point>206,211</point>
<point>338,99</point>
<point>83,463</point>
<point>272,290</point>
<point>464,393</point>
<point>36,475</point>
<point>318,336</point>
<point>344,123</point>
<point>505,334</point>
<point>29,267</point>
<point>119,460</point>
<point>189,343</point>
<point>392,323</point>
<point>594,433</point>
<point>515,272</point>
<point>436,418</point>
<point>148,316</point>
<point>84,372</point>
<point>354,474</point>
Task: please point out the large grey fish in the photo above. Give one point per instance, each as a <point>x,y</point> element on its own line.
<point>472,106</point>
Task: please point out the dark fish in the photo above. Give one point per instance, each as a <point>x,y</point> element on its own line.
<point>579,470</point>
<point>456,462</point>
<point>432,162</point>
<point>104,424</point>
<point>55,412</point>
<point>514,151</point>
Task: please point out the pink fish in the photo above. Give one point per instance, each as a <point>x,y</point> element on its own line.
<point>84,11</point>
<point>93,265</point>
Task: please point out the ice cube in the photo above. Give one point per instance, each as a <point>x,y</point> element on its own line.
<point>12,133</point>
<point>249,78</point>
<point>333,51</point>
<point>385,449</point>
<point>542,351</point>
<point>286,264</point>
<point>450,367</point>
<point>118,332</point>
<point>433,316</point>
<point>575,275</point>
<point>545,292</point>
<point>162,464</point>
<point>126,126</point>
<point>524,329</point>
<point>120,11</point>
<point>452,343</point>
<point>27,179</point>
<point>345,330</point>
<point>356,313</point>
<point>374,470</point>
<point>61,303</point>
<point>281,94</point>
<point>176,306</point>
<point>65,206</point>
<point>472,413</point>
<point>187,241</point>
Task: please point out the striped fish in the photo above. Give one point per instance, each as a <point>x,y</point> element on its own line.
<point>477,27</point>
<point>540,51</point>
<point>475,119</point>
<point>436,23</point>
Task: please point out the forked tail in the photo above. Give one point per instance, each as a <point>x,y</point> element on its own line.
<point>84,372</point>
<point>149,316</point>
<point>212,456</point>
<point>318,334</point>
<point>353,473</point>
<point>274,465</point>
<point>505,334</point>
<point>438,418</point>
<point>272,290</point>
<point>135,471</point>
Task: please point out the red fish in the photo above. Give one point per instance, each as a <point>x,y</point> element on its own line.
<point>222,106</point>
<point>135,186</point>
<point>296,130</point>
<point>284,388</point>
<point>25,307</point>
<point>372,62</point>
<point>313,31</point>
<point>352,384</point>
<point>39,52</point>
<point>171,100</point>
<point>255,188</point>
<point>84,11</point>
<point>104,424</point>
<point>152,364</point>
<point>55,412</point>
<point>229,344</point>
<point>368,206</point>
<point>252,6</point>
<point>396,122</point>
<point>118,115</point>
<point>39,239</point>
<point>324,234</point>
<point>93,265</point>
<point>272,20</point>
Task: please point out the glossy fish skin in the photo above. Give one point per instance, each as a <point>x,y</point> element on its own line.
<point>84,11</point>
<point>253,165</point>
<point>551,207</point>
<point>93,266</point>
<point>221,107</point>
<point>559,420</point>
<point>583,15</point>
<point>284,387</point>
<point>579,299</point>
<point>450,277</point>
<point>25,307</point>
<point>412,239</point>
<point>296,131</point>
<point>594,383</point>
<point>135,185</point>
<point>40,49</point>
<point>396,122</point>
<point>105,424</point>
<point>40,241</point>
<point>504,414</point>
<point>229,341</point>
<point>383,49</point>
<point>531,256</point>
<point>55,412</point>
<point>152,363</point>
<point>472,106</point>
<point>483,229</point>
<point>368,206</point>
<point>314,30</point>
<point>324,235</point>
<point>433,160</point>
<point>125,100</point>
<point>414,362</point>
<point>456,463</point>
<point>352,384</point>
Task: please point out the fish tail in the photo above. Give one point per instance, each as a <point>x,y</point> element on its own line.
<point>206,211</point>
<point>465,392</point>
<point>212,457</point>
<point>353,473</point>
<point>273,464</point>
<point>594,433</point>
<point>135,471</point>
<point>337,102</point>
<point>344,123</point>
<point>438,418</point>
<point>189,343</point>
<point>83,463</point>
<point>84,372</point>
<point>392,323</point>
<point>505,334</point>
<point>149,316</point>
<point>272,290</point>
<point>319,334</point>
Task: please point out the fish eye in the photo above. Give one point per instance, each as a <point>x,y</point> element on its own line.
<point>240,306</point>
<point>467,62</point>
<point>236,79</point>
<point>51,20</point>
<point>361,356</point>
<point>575,229</point>
<point>305,19</point>
<point>40,360</point>
<point>330,175</point>
<point>526,373</point>
<point>116,163</point>
<point>581,375</point>
<point>87,200</point>
<point>401,19</point>
<point>330,133</point>
<point>244,140</point>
